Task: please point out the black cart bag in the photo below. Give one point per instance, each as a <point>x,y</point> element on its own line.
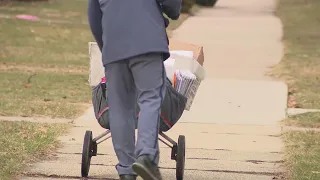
<point>171,110</point>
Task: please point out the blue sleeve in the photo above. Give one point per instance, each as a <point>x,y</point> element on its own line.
<point>171,8</point>
<point>94,18</point>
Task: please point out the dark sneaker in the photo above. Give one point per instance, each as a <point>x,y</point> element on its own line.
<point>146,169</point>
<point>128,177</point>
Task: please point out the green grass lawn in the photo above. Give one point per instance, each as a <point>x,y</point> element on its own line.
<point>44,64</point>
<point>303,155</point>
<point>38,94</point>
<point>300,68</point>
<point>308,120</point>
<point>44,44</point>
<point>25,142</point>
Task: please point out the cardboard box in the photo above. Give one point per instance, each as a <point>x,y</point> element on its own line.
<point>196,49</point>
<point>183,63</point>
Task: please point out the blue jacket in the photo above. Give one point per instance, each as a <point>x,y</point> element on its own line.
<point>127,28</point>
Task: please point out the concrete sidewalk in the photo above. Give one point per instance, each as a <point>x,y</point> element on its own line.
<point>231,131</point>
<point>214,151</point>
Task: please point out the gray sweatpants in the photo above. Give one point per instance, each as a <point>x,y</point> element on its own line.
<point>140,79</point>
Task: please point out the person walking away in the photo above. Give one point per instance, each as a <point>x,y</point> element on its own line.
<point>131,35</point>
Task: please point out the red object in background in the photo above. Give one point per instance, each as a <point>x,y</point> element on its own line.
<point>103,80</point>
<point>27,17</point>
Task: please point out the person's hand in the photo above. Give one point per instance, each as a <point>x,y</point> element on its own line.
<point>171,8</point>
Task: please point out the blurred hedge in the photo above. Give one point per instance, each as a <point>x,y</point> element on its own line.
<point>187,5</point>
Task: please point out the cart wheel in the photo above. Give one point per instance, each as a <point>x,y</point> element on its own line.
<point>86,154</point>
<point>181,154</point>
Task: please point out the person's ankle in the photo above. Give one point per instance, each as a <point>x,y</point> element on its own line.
<point>128,177</point>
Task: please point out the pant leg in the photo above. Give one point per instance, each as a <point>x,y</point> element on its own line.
<point>122,113</point>
<point>149,76</point>
<point>94,18</point>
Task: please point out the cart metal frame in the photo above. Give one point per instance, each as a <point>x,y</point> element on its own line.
<point>90,149</point>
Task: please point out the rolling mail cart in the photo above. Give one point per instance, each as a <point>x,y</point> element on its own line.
<point>179,96</point>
